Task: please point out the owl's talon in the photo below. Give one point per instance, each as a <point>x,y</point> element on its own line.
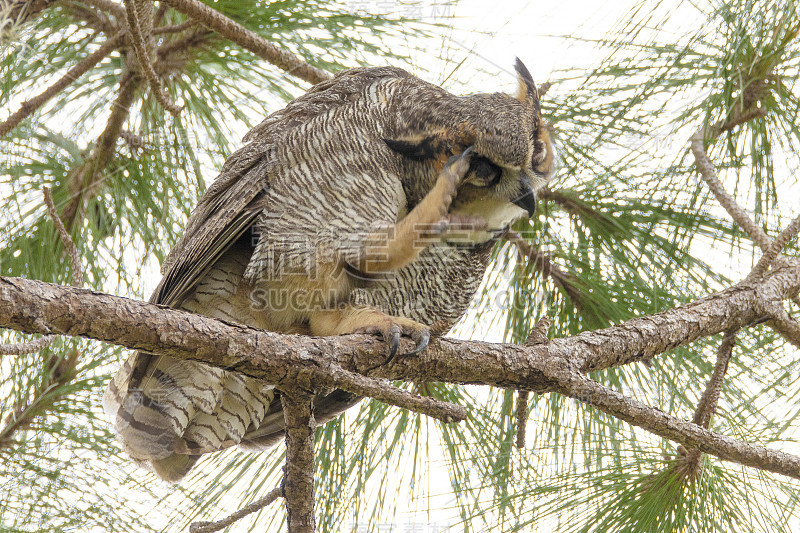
<point>393,338</point>
<point>392,329</point>
<point>421,338</point>
<point>459,163</point>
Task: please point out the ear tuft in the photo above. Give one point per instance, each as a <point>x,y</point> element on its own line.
<point>527,93</point>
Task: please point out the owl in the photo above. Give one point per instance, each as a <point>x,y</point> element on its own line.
<point>369,204</point>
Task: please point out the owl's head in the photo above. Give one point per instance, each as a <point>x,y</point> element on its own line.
<point>512,155</point>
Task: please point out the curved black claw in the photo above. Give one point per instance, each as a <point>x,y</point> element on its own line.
<point>421,338</point>
<point>393,338</point>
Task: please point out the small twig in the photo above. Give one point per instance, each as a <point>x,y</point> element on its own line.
<point>93,18</point>
<point>159,16</point>
<point>86,179</point>
<point>546,267</point>
<point>522,417</point>
<point>134,141</point>
<point>690,465</point>
<point>16,13</point>
<point>140,47</point>
<point>116,9</point>
<point>775,248</point>
<point>193,38</point>
<point>22,348</point>
<point>208,527</point>
<point>382,391</point>
<point>298,487</point>
<point>66,239</point>
<point>29,106</point>
<point>708,402</point>
<point>709,175</point>
<point>543,88</point>
<point>174,28</point>
<point>228,28</point>
<point>706,168</point>
<point>538,335</point>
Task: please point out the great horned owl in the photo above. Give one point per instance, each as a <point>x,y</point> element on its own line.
<point>369,204</point>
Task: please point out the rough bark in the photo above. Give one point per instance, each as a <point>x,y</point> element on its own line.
<point>298,477</point>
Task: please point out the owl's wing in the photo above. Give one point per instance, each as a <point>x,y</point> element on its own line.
<point>231,204</point>
<point>223,214</point>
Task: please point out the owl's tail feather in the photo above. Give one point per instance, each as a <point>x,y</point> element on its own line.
<point>167,412</point>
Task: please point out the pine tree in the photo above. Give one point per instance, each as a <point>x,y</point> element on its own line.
<point>633,224</point>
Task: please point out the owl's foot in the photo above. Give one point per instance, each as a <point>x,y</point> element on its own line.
<point>392,250</point>
<point>392,328</point>
<point>369,320</point>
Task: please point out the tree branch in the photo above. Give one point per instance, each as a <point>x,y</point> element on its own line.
<point>538,335</point>
<point>15,12</point>
<point>298,487</point>
<point>114,8</point>
<point>139,38</point>
<point>39,307</point>
<point>100,20</point>
<point>775,248</point>
<point>690,465</point>
<point>709,175</point>
<point>542,263</point>
<point>784,324</point>
<point>249,40</point>
<point>85,180</point>
<point>366,386</point>
<point>575,385</point>
<point>210,527</point>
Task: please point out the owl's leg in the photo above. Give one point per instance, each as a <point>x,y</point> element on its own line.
<point>401,244</point>
<point>360,319</point>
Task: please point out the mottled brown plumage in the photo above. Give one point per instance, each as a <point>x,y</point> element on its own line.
<point>369,204</point>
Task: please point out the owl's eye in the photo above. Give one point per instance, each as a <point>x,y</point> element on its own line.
<point>482,172</point>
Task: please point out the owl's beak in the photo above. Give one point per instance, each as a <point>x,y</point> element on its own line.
<point>526,198</point>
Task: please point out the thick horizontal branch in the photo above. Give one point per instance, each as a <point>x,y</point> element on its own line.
<point>289,360</point>
<point>645,337</point>
<point>37,307</point>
